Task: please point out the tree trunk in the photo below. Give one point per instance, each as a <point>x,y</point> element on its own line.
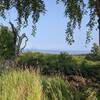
<point>15,33</point>
<point>99,29</point>
<point>97,5</point>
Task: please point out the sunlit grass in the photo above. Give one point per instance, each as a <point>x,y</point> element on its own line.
<point>29,85</point>
<point>20,85</point>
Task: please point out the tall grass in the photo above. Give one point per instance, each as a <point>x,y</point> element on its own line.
<point>28,85</point>
<point>20,85</point>
<point>56,89</point>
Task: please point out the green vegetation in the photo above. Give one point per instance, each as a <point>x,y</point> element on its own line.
<point>48,63</point>
<point>27,85</point>
<point>95,53</point>
<point>6,43</point>
<point>24,10</point>
<point>37,76</point>
<point>63,63</point>
<point>75,10</point>
<point>17,85</point>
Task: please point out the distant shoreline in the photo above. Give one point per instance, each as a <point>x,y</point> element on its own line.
<point>59,51</point>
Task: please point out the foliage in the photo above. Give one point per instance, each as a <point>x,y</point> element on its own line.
<point>63,64</point>
<point>6,43</point>
<point>95,53</point>
<point>24,8</point>
<point>30,59</point>
<point>79,58</point>
<point>67,64</point>
<point>91,94</point>
<point>75,10</point>
<point>49,63</point>
<point>90,69</point>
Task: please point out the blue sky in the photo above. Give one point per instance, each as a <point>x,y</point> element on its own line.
<point>51,30</point>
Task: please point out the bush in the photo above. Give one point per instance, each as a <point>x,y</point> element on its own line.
<point>90,94</point>
<point>6,43</point>
<point>67,65</point>
<point>90,69</point>
<point>49,63</point>
<point>30,59</point>
<point>95,53</point>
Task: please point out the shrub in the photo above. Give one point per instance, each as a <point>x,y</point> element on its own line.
<point>6,43</point>
<point>67,65</point>
<point>95,53</point>
<point>63,63</point>
<point>90,69</point>
<point>49,63</point>
<point>30,59</point>
<point>90,94</point>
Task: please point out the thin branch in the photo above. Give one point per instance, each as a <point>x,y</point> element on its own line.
<point>25,42</point>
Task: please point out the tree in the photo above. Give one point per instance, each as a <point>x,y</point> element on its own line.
<point>24,8</point>
<point>75,11</point>
<point>17,40</point>
<point>10,42</point>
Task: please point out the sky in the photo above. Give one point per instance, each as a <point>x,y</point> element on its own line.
<point>51,28</point>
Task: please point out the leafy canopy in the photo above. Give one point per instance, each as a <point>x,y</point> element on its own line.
<point>24,8</point>
<point>75,11</point>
